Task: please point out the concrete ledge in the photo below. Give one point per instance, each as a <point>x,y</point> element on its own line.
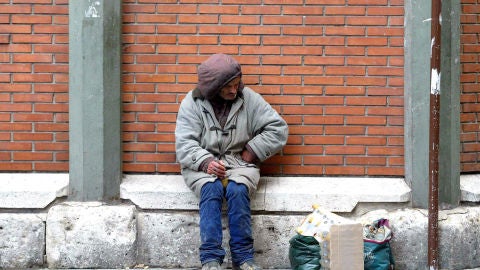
<point>288,194</point>
<point>470,187</point>
<point>336,194</point>
<point>31,190</point>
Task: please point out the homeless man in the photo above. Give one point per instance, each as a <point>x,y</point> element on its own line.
<point>223,131</point>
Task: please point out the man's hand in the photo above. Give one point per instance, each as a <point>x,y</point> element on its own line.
<point>217,168</point>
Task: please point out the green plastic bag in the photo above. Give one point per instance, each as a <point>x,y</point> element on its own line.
<point>376,246</point>
<point>304,253</point>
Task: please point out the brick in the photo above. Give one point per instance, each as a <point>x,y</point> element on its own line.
<point>32,156</point>
<point>135,8</point>
<point>352,71</point>
<point>385,151</point>
<point>14,9</point>
<point>237,19</point>
<point>198,40</point>
<point>332,41</point>
<point>155,158</point>
<point>261,9</point>
<point>178,29</point>
<point>51,166</point>
<point>344,170</point>
<point>47,9</point>
<point>303,149</point>
<point>156,138</point>
<point>341,130</point>
<point>373,130</point>
<point>137,167</point>
<point>345,31</point>
<point>282,20</point>
<point>134,29</point>
<point>15,29</point>
<point>323,80</point>
<point>218,29</point>
<point>325,20</point>
<point>363,140</point>
<point>308,170</point>
<point>201,19</point>
<point>326,60</point>
<point>368,2</point>
<point>345,110</point>
<point>211,9</point>
<point>326,2</point>
<point>303,10</point>
<point>368,101</point>
<point>322,120</point>
<point>4,39</point>
<point>365,160</point>
<point>16,146</point>
<point>32,137</point>
<point>330,160</point>
<point>387,171</point>
<point>345,11</point>
<point>49,146</point>
<point>16,107</point>
<point>250,40</point>
<point>17,166</point>
<point>365,120</point>
<point>385,31</point>
<point>31,19</point>
<point>155,18</point>
<point>51,127</point>
<point>12,68</point>
<point>176,9</point>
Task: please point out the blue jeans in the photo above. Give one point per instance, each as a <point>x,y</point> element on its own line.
<point>239,220</point>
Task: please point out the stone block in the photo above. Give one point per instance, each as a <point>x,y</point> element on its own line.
<point>22,240</point>
<point>91,235</point>
<point>172,240</point>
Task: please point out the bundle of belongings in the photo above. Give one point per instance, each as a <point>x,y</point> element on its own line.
<point>377,251</point>
<point>327,241</point>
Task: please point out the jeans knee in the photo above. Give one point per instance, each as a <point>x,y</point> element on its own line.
<point>212,190</point>
<point>236,189</point>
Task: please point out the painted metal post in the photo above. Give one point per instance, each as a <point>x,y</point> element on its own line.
<point>95,101</point>
<point>434,136</point>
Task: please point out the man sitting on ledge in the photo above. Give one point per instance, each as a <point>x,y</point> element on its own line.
<point>223,131</point>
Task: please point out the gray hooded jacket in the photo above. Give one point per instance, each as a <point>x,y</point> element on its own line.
<point>199,135</point>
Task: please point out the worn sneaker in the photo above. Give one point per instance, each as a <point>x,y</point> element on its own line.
<point>213,265</point>
<point>248,265</point>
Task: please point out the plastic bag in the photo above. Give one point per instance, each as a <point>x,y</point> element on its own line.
<point>304,253</point>
<point>376,246</point>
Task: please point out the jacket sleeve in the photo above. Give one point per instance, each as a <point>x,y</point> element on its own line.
<point>188,132</point>
<point>269,129</point>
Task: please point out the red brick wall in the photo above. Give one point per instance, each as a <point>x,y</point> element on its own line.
<point>332,68</point>
<point>33,85</point>
<point>470,86</point>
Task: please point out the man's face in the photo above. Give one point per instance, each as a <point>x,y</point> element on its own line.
<point>229,91</point>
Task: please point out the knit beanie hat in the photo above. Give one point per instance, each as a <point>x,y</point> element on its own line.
<point>216,72</point>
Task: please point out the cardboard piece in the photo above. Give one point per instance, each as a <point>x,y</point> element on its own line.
<point>340,239</point>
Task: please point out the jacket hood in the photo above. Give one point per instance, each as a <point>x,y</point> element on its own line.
<point>216,72</point>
